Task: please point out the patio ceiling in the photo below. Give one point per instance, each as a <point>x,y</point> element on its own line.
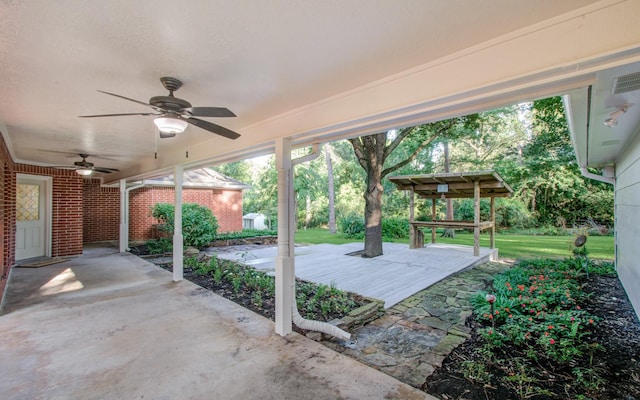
<point>312,71</point>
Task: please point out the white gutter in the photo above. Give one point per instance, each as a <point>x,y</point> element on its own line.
<point>286,307</point>
<point>608,175</point>
<point>301,322</point>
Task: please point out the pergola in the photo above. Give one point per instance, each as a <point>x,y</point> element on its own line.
<point>453,185</point>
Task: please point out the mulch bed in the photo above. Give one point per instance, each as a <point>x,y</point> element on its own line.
<point>618,332</point>
<point>245,298</point>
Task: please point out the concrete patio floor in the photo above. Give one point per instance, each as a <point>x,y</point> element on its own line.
<point>392,277</point>
<point>112,326</point>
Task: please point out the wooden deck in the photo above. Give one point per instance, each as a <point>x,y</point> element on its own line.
<point>392,277</point>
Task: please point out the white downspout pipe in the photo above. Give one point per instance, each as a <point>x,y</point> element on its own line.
<point>124,214</point>
<point>606,177</point>
<point>178,256</point>
<point>286,307</point>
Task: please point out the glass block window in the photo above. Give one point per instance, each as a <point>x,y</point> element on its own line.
<point>28,202</point>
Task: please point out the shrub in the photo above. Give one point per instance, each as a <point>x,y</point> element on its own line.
<point>352,226</point>
<point>199,225</point>
<point>395,228</point>
<point>510,212</point>
<point>532,322</point>
<point>159,246</point>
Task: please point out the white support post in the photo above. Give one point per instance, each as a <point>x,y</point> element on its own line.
<point>178,251</point>
<point>285,278</point>
<point>124,217</point>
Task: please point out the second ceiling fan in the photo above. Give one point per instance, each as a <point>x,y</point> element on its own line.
<point>174,114</point>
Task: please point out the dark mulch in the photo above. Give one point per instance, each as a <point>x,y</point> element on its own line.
<point>245,298</point>
<point>619,363</point>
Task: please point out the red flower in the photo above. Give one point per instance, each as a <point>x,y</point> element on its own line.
<point>490,298</point>
<point>550,327</point>
<point>551,341</point>
<point>591,321</point>
<point>546,333</point>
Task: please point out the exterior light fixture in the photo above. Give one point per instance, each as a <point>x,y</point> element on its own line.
<point>613,117</point>
<point>170,125</point>
<point>84,171</point>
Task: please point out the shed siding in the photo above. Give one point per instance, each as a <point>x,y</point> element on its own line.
<point>627,221</point>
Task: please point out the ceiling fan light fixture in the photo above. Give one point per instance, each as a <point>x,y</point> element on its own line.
<point>169,125</point>
<point>84,171</point>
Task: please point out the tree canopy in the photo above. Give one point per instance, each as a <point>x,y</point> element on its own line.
<point>528,144</point>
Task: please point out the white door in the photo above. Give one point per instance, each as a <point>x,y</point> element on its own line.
<point>31,218</point>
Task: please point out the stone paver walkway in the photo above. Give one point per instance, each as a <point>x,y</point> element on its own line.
<point>417,334</point>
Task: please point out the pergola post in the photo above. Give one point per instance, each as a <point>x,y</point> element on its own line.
<point>492,231</point>
<point>178,250</point>
<point>413,230</point>
<point>433,218</point>
<point>476,217</point>
<point>285,269</point>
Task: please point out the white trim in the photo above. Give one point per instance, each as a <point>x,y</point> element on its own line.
<point>178,245</point>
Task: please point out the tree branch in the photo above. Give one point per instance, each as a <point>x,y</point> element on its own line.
<point>413,155</point>
<point>398,139</point>
<point>441,130</point>
<point>358,149</point>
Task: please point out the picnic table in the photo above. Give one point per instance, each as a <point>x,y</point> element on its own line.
<point>476,185</point>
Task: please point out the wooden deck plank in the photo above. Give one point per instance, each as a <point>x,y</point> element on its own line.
<point>399,273</point>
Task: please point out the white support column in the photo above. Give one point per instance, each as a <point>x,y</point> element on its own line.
<point>285,270</point>
<point>178,251</point>
<point>124,217</point>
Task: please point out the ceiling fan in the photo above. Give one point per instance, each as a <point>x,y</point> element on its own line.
<point>174,114</point>
<point>86,168</point>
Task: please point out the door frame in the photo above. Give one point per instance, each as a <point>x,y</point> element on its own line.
<point>48,206</point>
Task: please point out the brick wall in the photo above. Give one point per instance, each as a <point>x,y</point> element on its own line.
<point>226,205</point>
<point>66,218</point>
<point>7,214</point>
<point>100,212</point>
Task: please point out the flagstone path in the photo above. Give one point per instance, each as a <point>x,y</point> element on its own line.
<point>417,334</point>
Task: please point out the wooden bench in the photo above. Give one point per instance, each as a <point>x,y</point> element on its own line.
<point>416,236</point>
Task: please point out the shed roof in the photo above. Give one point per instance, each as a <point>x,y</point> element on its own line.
<point>460,184</point>
<point>201,178</point>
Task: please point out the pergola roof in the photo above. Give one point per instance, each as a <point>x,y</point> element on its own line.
<point>460,184</point>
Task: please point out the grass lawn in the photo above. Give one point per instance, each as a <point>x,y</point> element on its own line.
<point>509,246</point>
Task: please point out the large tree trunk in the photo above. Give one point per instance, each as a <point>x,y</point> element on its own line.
<point>373,216</point>
<point>332,195</point>
<point>371,152</point>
